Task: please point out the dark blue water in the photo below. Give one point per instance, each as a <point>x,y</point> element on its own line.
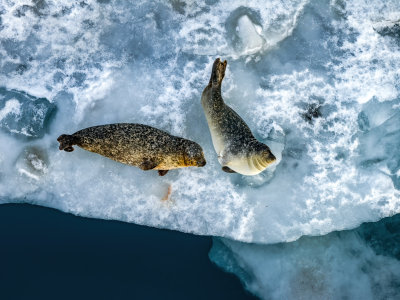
<point>47,254</point>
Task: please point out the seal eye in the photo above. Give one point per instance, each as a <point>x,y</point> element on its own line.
<point>268,156</point>
<point>201,163</point>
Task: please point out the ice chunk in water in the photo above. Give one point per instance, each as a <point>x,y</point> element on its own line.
<point>24,115</point>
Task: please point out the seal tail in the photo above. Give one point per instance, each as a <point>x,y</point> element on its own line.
<point>66,142</point>
<point>217,73</point>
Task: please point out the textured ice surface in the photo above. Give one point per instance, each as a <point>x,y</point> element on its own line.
<point>320,86</point>
<point>237,28</point>
<point>359,264</point>
<point>24,115</point>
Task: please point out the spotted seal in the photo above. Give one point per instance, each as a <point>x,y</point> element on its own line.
<point>138,145</point>
<point>238,150</point>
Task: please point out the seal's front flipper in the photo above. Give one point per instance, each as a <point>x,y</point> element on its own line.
<point>162,172</point>
<point>148,164</point>
<point>228,170</point>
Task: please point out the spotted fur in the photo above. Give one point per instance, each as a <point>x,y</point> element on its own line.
<point>138,145</point>
<point>237,149</point>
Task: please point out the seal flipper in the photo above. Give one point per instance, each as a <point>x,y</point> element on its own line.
<point>162,172</point>
<point>148,164</point>
<point>69,149</point>
<point>217,73</point>
<point>66,142</point>
<point>228,170</point>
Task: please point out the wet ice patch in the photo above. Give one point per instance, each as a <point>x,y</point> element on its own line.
<point>32,162</point>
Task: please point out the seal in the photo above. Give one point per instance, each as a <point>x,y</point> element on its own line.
<point>238,150</point>
<point>137,145</point>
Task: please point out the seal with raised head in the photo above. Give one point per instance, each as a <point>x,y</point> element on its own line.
<point>238,150</point>
<point>138,145</point>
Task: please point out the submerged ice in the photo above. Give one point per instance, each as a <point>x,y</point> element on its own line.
<point>317,81</point>
<point>359,264</point>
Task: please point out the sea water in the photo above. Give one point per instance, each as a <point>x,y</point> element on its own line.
<point>317,81</point>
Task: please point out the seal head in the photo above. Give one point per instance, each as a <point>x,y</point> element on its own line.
<point>193,154</point>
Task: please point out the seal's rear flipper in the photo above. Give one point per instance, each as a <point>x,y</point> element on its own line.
<point>162,172</point>
<point>217,73</point>
<point>228,170</point>
<point>66,142</point>
<point>69,149</point>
